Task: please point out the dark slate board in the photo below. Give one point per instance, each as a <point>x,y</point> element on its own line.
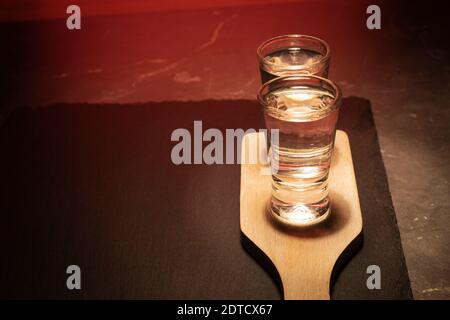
<point>94,185</point>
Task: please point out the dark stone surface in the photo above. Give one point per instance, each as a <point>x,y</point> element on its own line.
<point>94,185</point>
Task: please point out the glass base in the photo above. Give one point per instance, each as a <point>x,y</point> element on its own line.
<point>300,214</point>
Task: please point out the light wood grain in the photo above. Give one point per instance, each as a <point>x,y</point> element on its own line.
<point>304,258</point>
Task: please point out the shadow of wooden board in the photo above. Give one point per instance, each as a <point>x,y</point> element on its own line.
<point>303,257</point>
<point>94,185</point>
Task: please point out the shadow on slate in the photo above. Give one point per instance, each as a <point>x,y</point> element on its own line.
<point>94,186</point>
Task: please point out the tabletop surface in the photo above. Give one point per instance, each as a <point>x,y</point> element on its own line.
<point>94,186</point>
<point>209,53</point>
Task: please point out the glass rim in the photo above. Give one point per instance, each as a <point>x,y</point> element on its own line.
<point>338,93</point>
<point>294,36</point>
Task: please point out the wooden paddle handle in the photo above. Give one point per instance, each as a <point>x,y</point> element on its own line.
<point>297,286</point>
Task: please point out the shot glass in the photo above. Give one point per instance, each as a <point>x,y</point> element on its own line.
<point>292,55</point>
<point>304,109</point>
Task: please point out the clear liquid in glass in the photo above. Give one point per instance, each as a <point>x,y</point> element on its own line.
<point>306,119</point>
<point>283,62</point>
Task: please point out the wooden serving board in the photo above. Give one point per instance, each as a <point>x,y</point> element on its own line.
<point>303,257</point>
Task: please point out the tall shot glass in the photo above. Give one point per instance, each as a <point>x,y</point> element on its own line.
<point>292,55</point>
<point>305,110</point>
